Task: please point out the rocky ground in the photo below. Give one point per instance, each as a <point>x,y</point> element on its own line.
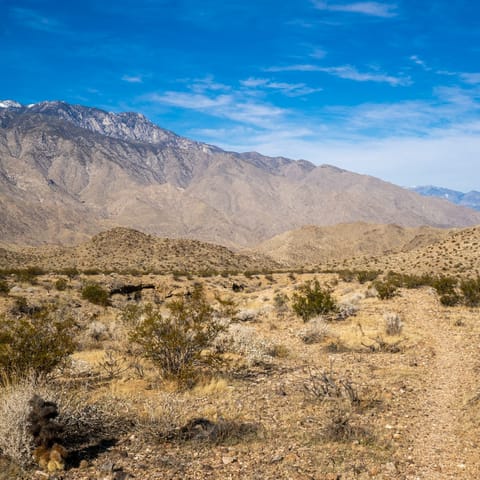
<point>398,407</point>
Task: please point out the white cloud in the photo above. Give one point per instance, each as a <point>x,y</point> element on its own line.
<point>375,9</point>
<point>132,78</point>
<point>233,107</point>
<point>189,100</point>
<point>418,61</point>
<point>347,72</point>
<point>289,89</point>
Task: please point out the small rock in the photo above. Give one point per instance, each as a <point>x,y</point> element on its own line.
<point>84,464</point>
<point>120,475</point>
<point>276,459</point>
<point>107,467</point>
<point>228,460</point>
<point>390,467</point>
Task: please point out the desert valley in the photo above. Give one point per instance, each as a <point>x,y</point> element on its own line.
<point>172,310</point>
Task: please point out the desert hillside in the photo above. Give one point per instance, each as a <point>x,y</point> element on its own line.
<point>314,245</point>
<point>456,254</point>
<point>123,249</point>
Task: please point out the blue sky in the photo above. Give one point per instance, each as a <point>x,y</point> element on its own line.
<point>390,89</point>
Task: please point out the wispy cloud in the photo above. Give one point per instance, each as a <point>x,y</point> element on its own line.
<point>132,78</point>
<point>472,78</point>
<point>234,107</point>
<point>375,9</point>
<point>289,89</point>
<point>207,84</point>
<point>347,72</point>
<point>418,61</point>
<point>31,19</point>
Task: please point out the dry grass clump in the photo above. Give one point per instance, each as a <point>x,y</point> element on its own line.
<point>315,331</point>
<point>393,323</point>
<point>244,340</point>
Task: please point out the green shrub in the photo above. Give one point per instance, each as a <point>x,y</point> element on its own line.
<point>176,343</point>
<point>95,293</point>
<point>34,344</point>
<point>444,285</point>
<point>29,274</point>
<point>367,275</point>
<point>312,300</point>
<point>4,287</point>
<point>450,299</point>
<point>471,292</point>
<point>385,289</point>
<point>70,272</point>
<point>61,284</point>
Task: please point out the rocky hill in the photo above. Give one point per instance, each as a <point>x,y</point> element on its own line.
<point>68,172</point>
<point>123,249</point>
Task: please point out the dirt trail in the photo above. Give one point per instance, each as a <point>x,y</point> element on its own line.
<point>441,447</point>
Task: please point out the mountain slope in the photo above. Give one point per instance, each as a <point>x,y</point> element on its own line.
<point>67,172</point>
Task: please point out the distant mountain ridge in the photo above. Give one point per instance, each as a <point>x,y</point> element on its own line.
<point>68,172</point>
<point>470,199</point>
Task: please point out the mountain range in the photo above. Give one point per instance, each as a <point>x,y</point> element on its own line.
<point>470,199</point>
<point>68,172</point>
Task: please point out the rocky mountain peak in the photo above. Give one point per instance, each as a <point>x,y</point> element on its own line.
<point>10,104</point>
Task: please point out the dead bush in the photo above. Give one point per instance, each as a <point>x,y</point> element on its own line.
<point>315,331</point>
<point>393,324</point>
<point>327,386</point>
<point>244,340</point>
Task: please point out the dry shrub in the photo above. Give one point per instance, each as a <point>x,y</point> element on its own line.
<point>244,340</point>
<point>84,423</point>
<point>345,310</point>
<point>393,323</point>
<point>344,425</point>
<point>315,331</point>
<point>16,442</point>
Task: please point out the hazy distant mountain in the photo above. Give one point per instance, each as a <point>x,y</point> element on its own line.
<point>470,199</point>
<point>67,172</point>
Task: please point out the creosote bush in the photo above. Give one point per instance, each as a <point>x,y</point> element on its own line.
<point>312,300</point>
<point>34,344</point>
<point>61,284</point>
<point>4,287</point>
<point>176,343</point>
<point>471,291</point>
<point>385,289</point>
<point>95,294</point>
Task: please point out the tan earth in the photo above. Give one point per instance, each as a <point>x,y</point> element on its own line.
<point>417,414</point>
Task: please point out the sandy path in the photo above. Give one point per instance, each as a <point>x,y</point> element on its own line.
<point>441,448</point>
